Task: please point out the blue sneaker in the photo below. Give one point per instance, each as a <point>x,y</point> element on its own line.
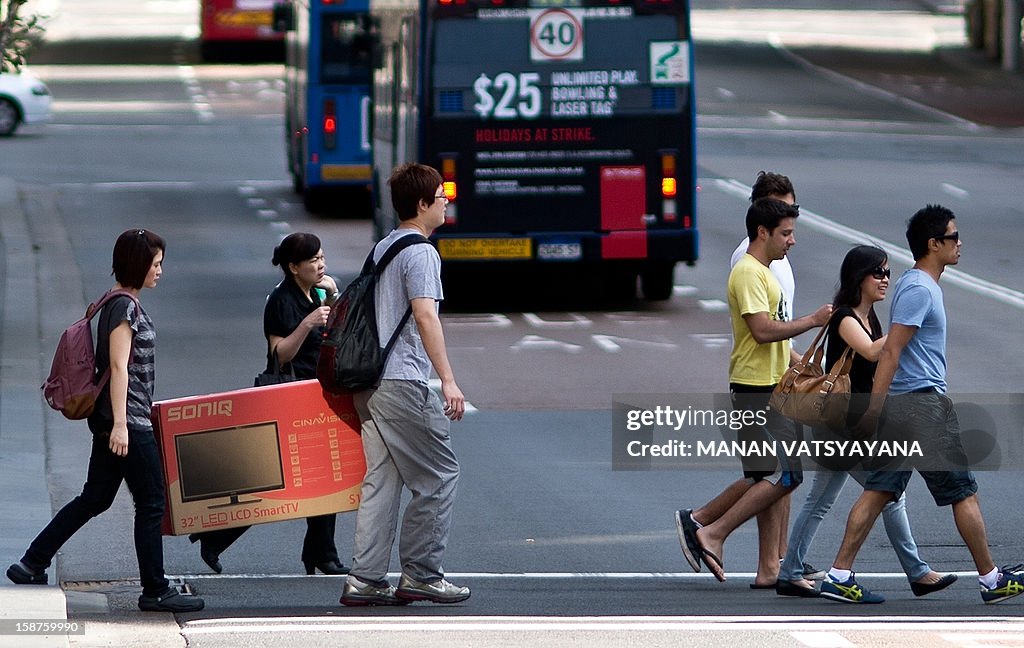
<point>1010,584</point>
<point>848,592</point>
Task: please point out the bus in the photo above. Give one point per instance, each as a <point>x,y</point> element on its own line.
<point>564,131</point>
<point>329,48</point>
<point>235,29</point>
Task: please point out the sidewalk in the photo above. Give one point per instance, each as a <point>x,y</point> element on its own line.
<point>24,497</point>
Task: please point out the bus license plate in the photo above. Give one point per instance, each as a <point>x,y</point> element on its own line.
<point>486,248</point>
<point>559,251</point>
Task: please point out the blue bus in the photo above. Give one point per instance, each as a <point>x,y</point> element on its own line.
<point>564,131</point>
<point>328,71</point>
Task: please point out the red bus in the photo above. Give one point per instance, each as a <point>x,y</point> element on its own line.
<point>230,29</point>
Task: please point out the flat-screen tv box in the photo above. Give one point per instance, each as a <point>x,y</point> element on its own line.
<point>257,455</point>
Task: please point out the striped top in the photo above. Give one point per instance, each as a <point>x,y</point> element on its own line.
<point>141,365</point>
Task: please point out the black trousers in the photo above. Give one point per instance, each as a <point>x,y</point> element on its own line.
<point>141,470</point>
<point>317,547</point>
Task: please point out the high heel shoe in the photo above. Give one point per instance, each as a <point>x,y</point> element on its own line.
<point>209,556</point>
<point>329,567</point>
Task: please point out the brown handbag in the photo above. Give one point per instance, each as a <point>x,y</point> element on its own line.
<point>808,395</point>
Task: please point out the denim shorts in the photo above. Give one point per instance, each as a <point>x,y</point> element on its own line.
<point>930,419</point>
<point>779,469</point>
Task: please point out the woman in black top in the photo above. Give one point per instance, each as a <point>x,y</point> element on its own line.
<point>293,321</point>
<point>864,280</point>
<point>123,445</point>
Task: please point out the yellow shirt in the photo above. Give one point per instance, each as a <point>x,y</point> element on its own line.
<point>754,289</point>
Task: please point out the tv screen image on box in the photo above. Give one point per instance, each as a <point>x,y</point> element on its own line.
<point>229,462</point>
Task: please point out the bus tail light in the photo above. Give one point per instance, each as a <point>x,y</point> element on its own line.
<point>330,124</point>
<point>668,187</point>
<point>450,187</point>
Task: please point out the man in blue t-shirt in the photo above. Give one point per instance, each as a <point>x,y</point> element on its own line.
<point>910,382</point>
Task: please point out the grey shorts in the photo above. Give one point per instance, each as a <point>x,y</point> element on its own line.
<point>930,419</point>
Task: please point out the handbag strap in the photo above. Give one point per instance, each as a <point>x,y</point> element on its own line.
<point>275,364</point>
<point>817,344</point>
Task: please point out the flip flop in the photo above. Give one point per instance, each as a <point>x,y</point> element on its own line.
<point>714,561</point>
<point>687,530</point>
<point>770,586</point>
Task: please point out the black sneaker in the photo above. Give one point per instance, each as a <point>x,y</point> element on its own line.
<point>22,575</point>
<point>171,601</point>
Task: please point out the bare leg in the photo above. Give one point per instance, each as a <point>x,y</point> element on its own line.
<point>759,497</point>
<point>971,525</point>
<point>786,503</point>
<point>722,502</point>
<point>862,517</point>
<point>769,522</point>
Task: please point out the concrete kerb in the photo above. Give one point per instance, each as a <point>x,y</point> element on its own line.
<point>24,496</point>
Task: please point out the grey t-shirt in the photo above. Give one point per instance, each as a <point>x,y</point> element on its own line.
<point>414,273</point>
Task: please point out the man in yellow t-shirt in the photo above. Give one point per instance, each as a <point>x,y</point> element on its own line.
<point>754,289</point>
<point>760,355</point>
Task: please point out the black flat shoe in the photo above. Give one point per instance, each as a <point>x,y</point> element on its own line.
<point>329,567</point>
<point>19,575</point>
<point>209,556</point>
<point>786,588</point>
<point>921,589</point>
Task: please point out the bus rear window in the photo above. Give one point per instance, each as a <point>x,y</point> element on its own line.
<point>346,49</point>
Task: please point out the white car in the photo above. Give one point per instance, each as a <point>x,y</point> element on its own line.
<point>23,99</point>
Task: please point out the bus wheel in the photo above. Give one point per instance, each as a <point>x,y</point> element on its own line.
<point>657,281</point>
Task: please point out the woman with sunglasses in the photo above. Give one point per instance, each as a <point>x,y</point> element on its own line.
<point>863,281</point>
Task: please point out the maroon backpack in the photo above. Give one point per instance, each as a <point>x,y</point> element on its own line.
<point>72,388</point>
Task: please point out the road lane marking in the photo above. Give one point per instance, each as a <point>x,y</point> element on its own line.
<point>614,343</point>
<point>489,320</point>
<point>596,575</point>
<point>379,623</point>
<point>712,305</point>
<point>113,106</point>
<point>955,191</point>
<point>528,342</point>
<point>204,112</point>
<point>574,320</point>
<point>968,282</point>
<point>712,340</point>
<point>822,639</point>
<point>725,93</point>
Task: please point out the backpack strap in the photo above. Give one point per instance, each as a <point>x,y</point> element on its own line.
<point>95,308</point>
<point>405,241</point>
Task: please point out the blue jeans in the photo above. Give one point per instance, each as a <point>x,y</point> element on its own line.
<point>825,488</point>
<point>142,471</point>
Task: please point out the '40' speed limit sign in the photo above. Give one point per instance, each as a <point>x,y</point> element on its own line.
<point>556,35</point>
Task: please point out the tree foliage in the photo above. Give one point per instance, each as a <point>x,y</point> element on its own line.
<point>17,34</point>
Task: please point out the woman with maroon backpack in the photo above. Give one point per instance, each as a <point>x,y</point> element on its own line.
<point>123,447</point>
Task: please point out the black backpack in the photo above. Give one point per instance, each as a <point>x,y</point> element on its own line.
<point>351,358</point>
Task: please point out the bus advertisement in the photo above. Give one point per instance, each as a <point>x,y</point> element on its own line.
<point>328,71</point>
<point>228,26</point>
<point>564,130</point>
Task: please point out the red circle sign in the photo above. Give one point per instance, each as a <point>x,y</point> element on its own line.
<point>556,34</point>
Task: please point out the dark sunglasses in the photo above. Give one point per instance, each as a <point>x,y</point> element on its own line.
<point>881,273</point>
<point>955,236</point>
